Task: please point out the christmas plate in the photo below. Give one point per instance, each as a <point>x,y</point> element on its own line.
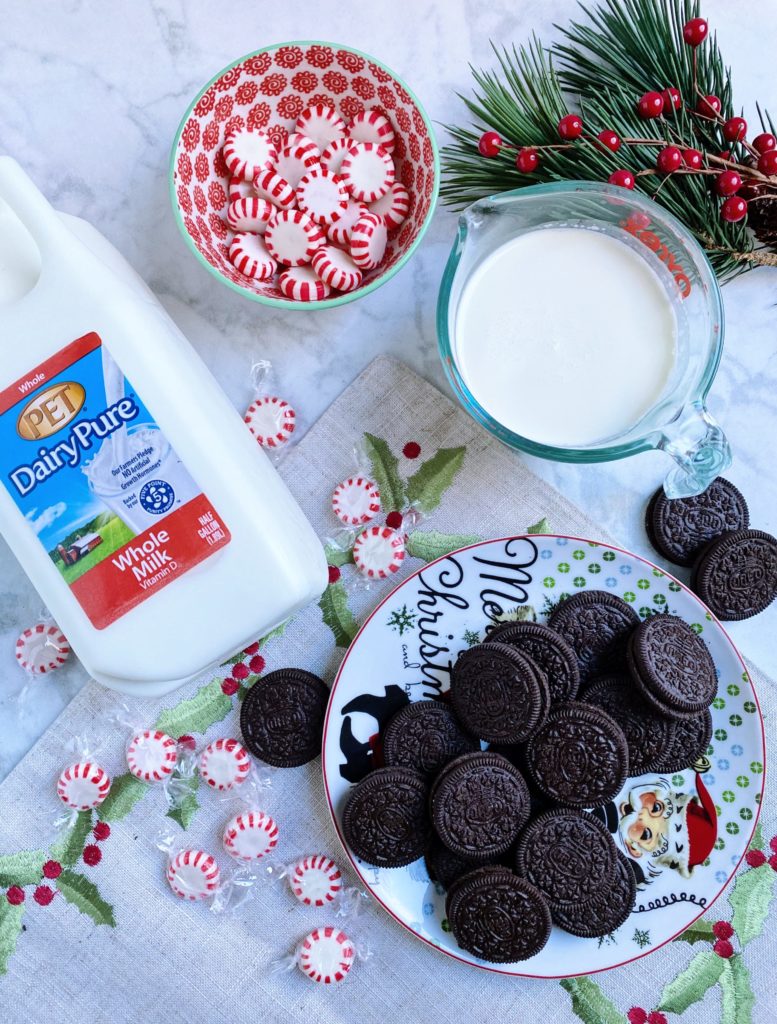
<point>404,652</point>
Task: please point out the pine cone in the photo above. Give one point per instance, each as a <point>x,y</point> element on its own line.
<point>761,212</point>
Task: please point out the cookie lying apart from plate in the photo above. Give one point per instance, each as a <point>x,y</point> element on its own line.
<point>571,710</point>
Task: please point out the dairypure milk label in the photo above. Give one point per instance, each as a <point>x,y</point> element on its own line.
<point>99,483</point>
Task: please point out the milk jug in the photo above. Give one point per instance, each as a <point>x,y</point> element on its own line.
<point>148,518</point>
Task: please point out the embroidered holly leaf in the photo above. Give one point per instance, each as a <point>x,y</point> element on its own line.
<point>336,556</point>
<point>274,633</point>
<point>429,544</point>
<point>337,615</point>
<point>757,842</point>
<point>750,899</point>
<point>68,851</point>
<point>82,893</point>
<point>248,682</point>
<point>23,868</point>
<point>690,985</point>
<point>233,661</point>
<point>543,526</point>
<point>737,997</point>
<point>385,473</point>
<point>187,804</point>
<point>700,931</point>
<point>589,1002</point>
<point>125,792</point>
<point>196,715</point>
<point>427,485</point>
<point>10,930</point>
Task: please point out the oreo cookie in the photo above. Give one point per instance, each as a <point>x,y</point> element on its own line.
<point>690,739</point>
<point>498,917</point>
<point>385,819</point>
<point>498,693</point>
<point>736,575</point>
<point>568,855</point>
<point>597,625</point>
<point>425,736</point>
<point>579,757</point>
<point>445,866</point>
<point>548,650</point>
<point>607,910</point>
<point>672,667</point>
<point>649,734</point>
<point>678,528</point>
<point>479,804</point>
<point>282,717</point>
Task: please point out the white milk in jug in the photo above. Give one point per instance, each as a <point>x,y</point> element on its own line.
<point>149,519</point>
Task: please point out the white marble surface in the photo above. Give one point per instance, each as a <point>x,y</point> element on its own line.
<point>90,97</point>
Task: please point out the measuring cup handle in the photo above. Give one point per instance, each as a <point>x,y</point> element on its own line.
<point>699,448</point>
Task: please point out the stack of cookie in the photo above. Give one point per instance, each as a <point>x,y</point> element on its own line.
<point>569,710</point>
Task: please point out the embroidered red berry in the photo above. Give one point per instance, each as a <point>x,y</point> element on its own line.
<point>764,142</point>
<point>623,178</point>
<point>734,209</point>
<point>608,139</point>
<point>252,649</point>
<point>672,100</point>
<point>727,183</point>
<point>528,160</point>
<point>695,31</point>
<point>52,869</point>
<point>753,859</point>
<point>187,742</point>
<point>722,930</point>
<point>709,106</point>
<point>570,127</point>
<point>101,831</point>
<point>735,129</point>
<point>656,1017</point>
<point>240,671</point>
<point>411,450</point>
<point>257,664</point>
<point>92,855</point>
<point>229,687</point>
<point>767,162</point>
<point>15,895</point>
<point>43,895</point>
<point>650,105</point>
<point>773,862</point>
<point>334,574</point>
<point>773,844</point>
<point>723,948</point>
<point>394,520</point>
<point>669,159</point>
<point>489,144</point>
<point>692,159</point>
<point>637,1015</point>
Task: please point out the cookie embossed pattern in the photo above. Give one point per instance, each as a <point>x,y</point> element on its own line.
<point>680,829</point>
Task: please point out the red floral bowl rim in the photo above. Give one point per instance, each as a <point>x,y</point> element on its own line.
<point>340,300</point>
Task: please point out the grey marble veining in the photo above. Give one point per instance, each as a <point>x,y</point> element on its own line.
<point>90,97</point>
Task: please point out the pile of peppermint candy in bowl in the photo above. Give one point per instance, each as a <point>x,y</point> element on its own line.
<point>304,175</point>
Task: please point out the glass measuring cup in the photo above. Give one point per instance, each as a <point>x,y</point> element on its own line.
<point>678,422</point>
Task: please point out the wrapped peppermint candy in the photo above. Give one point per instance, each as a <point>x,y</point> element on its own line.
<point>270,417</point>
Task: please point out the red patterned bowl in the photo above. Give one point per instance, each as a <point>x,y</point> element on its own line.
<point>270,89</point>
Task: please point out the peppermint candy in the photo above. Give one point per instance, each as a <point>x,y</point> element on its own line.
<point>41,649</point>
<point>295,161</point>
<point>339,232</point>
<point>83,785</point>
<point>322,124</point>
<point>378,552</point>
<point>372,126</point>
<point>239,189</point>
<point>248,151</point>
<point>336,268</point>
<point>322,195</point>
<point>250,214</point>
<point>356,500</point>
<point>275,189</point>
<point>393,207</point>
<point>368,241</point>
<point>303,284</point>
<point>193,875</point>
<point>368,171</point>
<point>334,154</point>
<point>152,755</point>
<point>271,420</point>
<point>326,955</point>
<point>293,237</point>
<point>297,139</point>
<point>316,881</point>
<point>224,764</point>
<point>249,254</point>
<point>250,836</point>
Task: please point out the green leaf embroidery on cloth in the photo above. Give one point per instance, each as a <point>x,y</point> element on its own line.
<point>757,842</point>
<point>690,985</point>
<point>274,633</point>
<point>82,893</point>
<point>750,899</point>
<point>125,792</point>
<point>700,931</point>
<point>69,850</point>
<point>736,992</point>
<point>188,804</point>
<point>427,485</point>
<point>543,526</point>
<point>10,930</point>
<point>429,544</point>
<point>208,706</point>
<point>385,473</point>
<point>23,868</point>
<point>337,557</point>
<point>589,1002</point>
<point>337,615</point>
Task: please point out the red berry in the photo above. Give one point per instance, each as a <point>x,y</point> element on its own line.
<point>92,855</point>
<point>669,159</point>
<point>695,31</point>
<point>623,178</point>
<point>528,160</point>
<point>411,450</point>
<point>15,895</point>
<point>725,154</point>
<point>229,687</point>
<point>767,162</point>
<point>764,142</point>
<point>43,895</point>
<point>693,159</point>
<point>188,742</point>
<point>773,844</point>
<point>723,948</point>
<point>727,183</point>
<point>637,1015</point>
<point>334,574</point>
<point>101,831</point>
<point>394,520</point>
<point>570,127</point>
<point>656,1017</point>
<point>722,930</point>
<point>708,106</point>
<point>609,140</point>
<point>651,104</point>
<point>672,99</point>
<point>490,143</point>
<point>753,859</point>
<point>240,671</point>
<point>734,209</point>
<point>735,129</point>
<point>257,664</point>
<point>52,869</point>
<point>252,649</point>
<point>773,862</point>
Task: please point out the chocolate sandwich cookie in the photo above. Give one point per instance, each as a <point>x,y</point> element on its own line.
<point>597,625</point>
<point>476,871</point>
<point>498,693</point>
<point>579,757</point>
<point>282,717</point>
<point>386,819</point>
<point>690,738</point>
<point>568,855</point>
<point>425,736</point>
<point>445,866</point>
<point>672,667</point>
<point>649,734</point>
<point>547,649</point>
<point>678,528</point>
<point>479,804</point>
<point>736,575</point>
<point>499,917</point>
<point>606,910</point>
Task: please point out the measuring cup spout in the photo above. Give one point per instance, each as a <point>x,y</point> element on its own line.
<point>699,448</point>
